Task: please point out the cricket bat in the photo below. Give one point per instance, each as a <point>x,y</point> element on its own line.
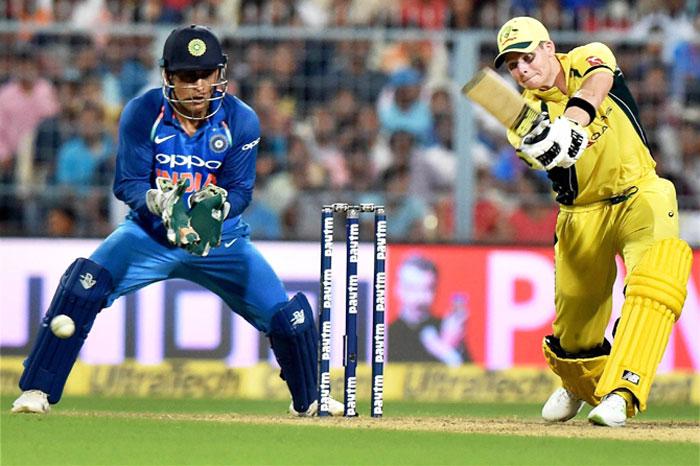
<point>502,101</point>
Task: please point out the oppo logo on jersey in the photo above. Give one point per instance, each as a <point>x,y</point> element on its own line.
<point>187,161</point>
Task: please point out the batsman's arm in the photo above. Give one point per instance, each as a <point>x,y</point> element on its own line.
<point>238,172</point>
<point>596,63</point>
<point>584,103</point>
<point>134,158</point>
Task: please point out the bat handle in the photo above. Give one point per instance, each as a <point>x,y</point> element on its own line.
<point>539,131</point>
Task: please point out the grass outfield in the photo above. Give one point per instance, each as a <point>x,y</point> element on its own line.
<point>101,431</point>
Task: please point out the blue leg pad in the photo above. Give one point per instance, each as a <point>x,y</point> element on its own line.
<point>294,340</point>
<point>81,294</point>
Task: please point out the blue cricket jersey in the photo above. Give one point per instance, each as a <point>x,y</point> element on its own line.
<point>152,144</point>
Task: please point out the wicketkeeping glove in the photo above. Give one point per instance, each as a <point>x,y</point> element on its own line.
<point>556,144</point>
<point>209,210</point>
<point>167,202</point>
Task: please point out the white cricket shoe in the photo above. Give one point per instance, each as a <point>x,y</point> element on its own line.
<point>335,408</point>
<point>32,401</point>
<point>611,412</point>
<point>561,406</point>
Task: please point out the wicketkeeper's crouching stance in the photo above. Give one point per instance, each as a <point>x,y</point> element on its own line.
<point>612,202</point>
<point>186,168</point>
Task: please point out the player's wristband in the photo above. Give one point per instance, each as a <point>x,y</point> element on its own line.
<point>584,105</point>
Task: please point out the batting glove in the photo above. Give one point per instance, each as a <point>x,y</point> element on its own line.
<point>559,144</point>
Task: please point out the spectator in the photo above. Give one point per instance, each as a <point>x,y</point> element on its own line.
<point>401,108</point>
<point>440,157</point>
<point>344,106</point>
<point>61,221</point>
<point>407,212</point>
<point>369,130</point>
<point>252,69</point>
<point>350,70</point>
<point>54,131</point>
<point>534,218</point>
<point>490,210</point>
<point>424,14</point>
<point>461,14</point>
<point>26,100</point>
<point>689,136</point>
<point>685,71</point>
<point>672,19</point>
<point>320,135</point>
<point>263,220</point>
<point>84,161</point>
<point>360,168</point>
<point>307,178</point>
<point>427,176</point>
<point>287,76</point>
<point>134,68</point>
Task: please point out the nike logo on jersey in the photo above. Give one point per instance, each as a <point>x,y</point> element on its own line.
<point>159,139</point>
<point>230,243</point>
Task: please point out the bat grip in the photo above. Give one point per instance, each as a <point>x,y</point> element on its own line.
<point>539,130</point>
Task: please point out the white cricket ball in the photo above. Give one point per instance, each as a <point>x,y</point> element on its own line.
<point>62,326</point>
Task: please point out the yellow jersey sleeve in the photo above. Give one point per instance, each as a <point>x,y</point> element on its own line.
<point>592,58</point>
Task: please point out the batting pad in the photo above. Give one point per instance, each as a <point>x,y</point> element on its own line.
<point>81,294</point>
<point>295,343</point>
<point>580,372</point>
<point>656,291</point>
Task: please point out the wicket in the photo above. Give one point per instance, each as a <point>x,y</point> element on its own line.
<point>352,226</point>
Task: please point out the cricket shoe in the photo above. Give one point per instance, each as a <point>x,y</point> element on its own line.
<point>335,408</point>
<point>611,412</point>
<point>31,401</point>
<point>561,406</point>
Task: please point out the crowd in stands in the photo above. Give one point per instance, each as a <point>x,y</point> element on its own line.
<point>360,119</point>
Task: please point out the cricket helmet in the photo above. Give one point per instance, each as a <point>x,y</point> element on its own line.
<point>193,48</point>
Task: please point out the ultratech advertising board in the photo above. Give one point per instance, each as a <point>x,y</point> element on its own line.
<point>452,305</point>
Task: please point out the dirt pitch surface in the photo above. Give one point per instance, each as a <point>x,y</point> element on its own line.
<point>661,431</point>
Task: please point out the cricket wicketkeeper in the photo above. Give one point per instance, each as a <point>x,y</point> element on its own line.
<point>186,168</point>
<point>596,155</point>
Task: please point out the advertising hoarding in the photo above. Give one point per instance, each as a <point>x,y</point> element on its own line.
<point>492,304</point>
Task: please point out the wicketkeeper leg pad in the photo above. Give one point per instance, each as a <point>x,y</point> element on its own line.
<point>655,293</point>
<point>579,372</point>
<point>294,340</point>
<point>81,294</point>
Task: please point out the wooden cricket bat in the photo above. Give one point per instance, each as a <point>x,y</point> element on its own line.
<point>502,101</point>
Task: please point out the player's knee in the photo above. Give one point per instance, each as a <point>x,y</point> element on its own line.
<point>293,318</point>
<point>662,274</point>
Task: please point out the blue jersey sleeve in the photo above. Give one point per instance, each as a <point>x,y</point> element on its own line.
<point>134,171</point>
<point>238,171</point>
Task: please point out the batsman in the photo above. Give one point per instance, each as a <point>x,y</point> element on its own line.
<point>186,168</point>
<point>594,150</point>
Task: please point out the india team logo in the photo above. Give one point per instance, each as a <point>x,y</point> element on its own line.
<point>197,47</point>
<point>218,143</point>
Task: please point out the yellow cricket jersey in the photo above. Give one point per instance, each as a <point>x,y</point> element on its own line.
<point>617,154</point>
